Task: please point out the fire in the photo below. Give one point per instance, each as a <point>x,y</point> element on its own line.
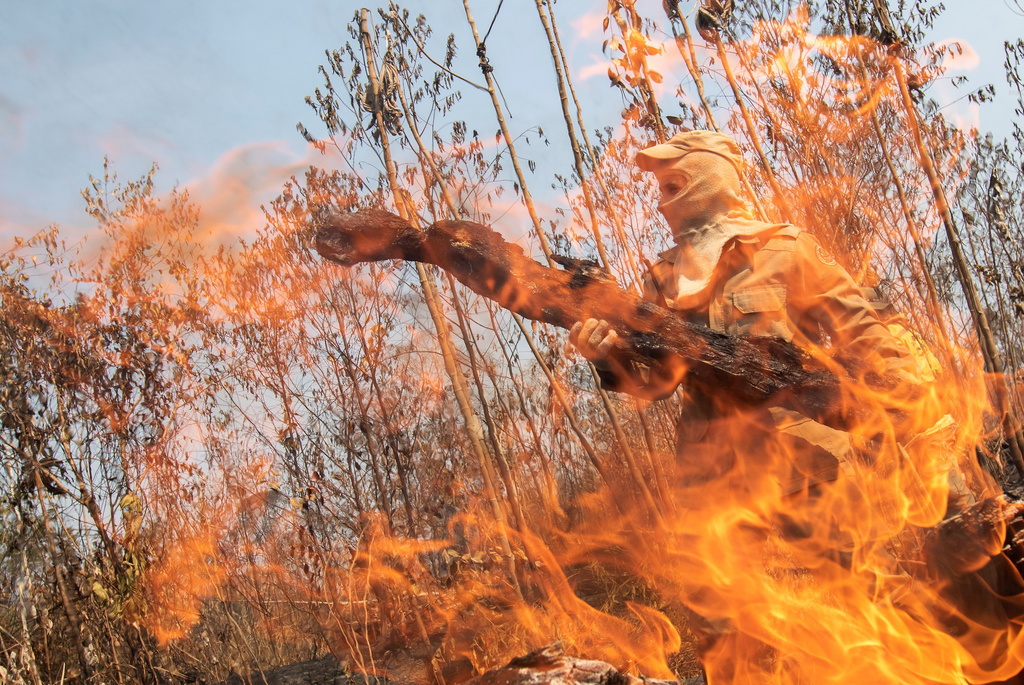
<point>863,575</point>
<point>188,573</point>
<point>845,582</point>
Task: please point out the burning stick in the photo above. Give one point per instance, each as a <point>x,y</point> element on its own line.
<point>550,666</point>
<point>748,370</point>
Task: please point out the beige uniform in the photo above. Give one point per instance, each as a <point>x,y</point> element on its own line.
<point>783,283</point>
<point>780,282</point>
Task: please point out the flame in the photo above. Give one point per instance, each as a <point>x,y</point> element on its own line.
<point>189,572</point>
<point>852,578</point>
<point>841,582</point>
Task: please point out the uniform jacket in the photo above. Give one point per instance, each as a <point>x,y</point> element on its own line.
<point>783,283</point>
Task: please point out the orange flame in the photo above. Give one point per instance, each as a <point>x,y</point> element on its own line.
<point>187,574</point>
<point>846,579</point>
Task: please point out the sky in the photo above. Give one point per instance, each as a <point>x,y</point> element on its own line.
<point>211,90</point>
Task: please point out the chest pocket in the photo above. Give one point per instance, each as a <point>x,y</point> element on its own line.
<point>761,310</point>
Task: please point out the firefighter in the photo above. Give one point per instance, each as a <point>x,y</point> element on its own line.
<point>735,274</point>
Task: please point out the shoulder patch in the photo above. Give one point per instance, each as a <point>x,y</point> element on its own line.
<point>824,256</point>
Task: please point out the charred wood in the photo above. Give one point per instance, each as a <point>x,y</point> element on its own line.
<point>748,371</point>
<point>550,666</point>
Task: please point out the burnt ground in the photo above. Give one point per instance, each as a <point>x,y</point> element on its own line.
<point>558,670</point>
<point>323,671</point>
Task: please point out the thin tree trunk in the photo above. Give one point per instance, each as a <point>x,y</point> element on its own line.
<point>390,430</point>
<point>755,138</point>
<point>363,405</point>
<point>620,233</point>
<point>403,484</point>
<point>915,233</point>
<point>356,496</point>
<point>434,306</point>
<point>684,43</point>
<point>60,578</point>
<point>646,90</point>
<point>527,199</point>
<point>449,203</point>
<point>371,447</point>
<point>562,70</point>
<point>85,493</point>
<point>511,490</point>
<point>492,90</point>
<point>560,397</point>
<point>531,425</point>
<point>654,112</point>
<point>577,155</point>
<point>989,348</point>
<point>25,593</point>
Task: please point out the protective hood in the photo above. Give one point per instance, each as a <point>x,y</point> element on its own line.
<point>699,174</point>
<point>697,189</point>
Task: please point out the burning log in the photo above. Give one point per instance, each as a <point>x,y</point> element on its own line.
<point>550,666</point>
<point>749,371</point>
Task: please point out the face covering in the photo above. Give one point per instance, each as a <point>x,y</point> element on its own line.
<point>701,203</point>
<point>708,186</point>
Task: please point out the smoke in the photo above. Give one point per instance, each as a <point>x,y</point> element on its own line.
<point>231,194</point>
